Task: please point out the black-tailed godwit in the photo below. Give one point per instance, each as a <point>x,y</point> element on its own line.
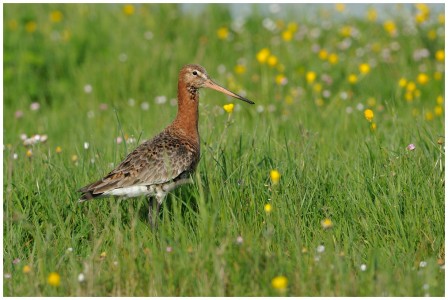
<point>160,164</point>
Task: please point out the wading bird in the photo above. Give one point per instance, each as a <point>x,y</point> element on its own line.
<point>160,164</point>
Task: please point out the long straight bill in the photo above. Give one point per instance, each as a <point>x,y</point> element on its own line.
<point>210,84</point>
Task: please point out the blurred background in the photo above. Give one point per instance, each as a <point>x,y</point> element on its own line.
<point>83,59</point>
<point>51,51</point>
<point>311,11</point>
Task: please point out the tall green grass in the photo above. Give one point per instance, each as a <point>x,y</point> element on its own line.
<point>386,203</point>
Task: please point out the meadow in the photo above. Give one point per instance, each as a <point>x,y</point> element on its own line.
<point>332,184</point>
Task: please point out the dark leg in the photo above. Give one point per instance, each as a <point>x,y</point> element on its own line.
<point>153,213</point>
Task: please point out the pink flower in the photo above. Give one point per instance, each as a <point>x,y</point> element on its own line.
<point>35,106</point>
<point>410,147</point>
<point>18,114</point>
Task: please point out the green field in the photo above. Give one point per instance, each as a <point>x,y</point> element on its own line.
<point>349,111</point>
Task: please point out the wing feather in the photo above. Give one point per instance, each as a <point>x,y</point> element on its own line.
<point>155,161</point>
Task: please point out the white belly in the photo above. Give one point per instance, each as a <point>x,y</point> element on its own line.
<point>129,192</point>
<point>159,190</point>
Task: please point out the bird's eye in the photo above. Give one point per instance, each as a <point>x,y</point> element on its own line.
<point>195,73</point>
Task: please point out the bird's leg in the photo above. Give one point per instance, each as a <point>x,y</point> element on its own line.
<point>153,216</point>
<point>172,185</point>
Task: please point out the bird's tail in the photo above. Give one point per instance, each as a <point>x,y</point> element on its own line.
<point>86,196</point>
<point>88,192</point>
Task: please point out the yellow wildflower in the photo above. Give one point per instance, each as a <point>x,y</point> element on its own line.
<point>128,9</point>
<point>31,26</point>
<point>74,158</point>
<point>372,15</point>
<point>422,7</point>
<point>390,27</point>
<point>409,96</point>
<point>402,82</point>
<point>421,17</point>
<point>423,13</point>
<point>352,78</point>
<point>275,176</point>
<point>103,255</point>
<point>422,78</point>
<point>56,16</point>
<point>287,35</point>
<point>439,100</point>
<point>54,279</point>
<point>317,87</point>
<point>292,26</point>
<point>411,86</point>
<point>29,153</point>
<point>58,149</point>
<point>373,126</point>
<point>228,108</point>
<point>333,58</point>
<point>279,283</point>
<point>432,34</point>
<point>371,101</point>
<point>263,55</point>
<point>364,68</point>
<point>438,75</point>
<point>272,60</point>
<point>223,33</point>
<point>26,269</point>
<point>441,18</point>
<point>346,31</point>
<point>340,7</point>
<point>326,223</point>
<point>280,79</point>
<point>429,116</point>
<point>440,55</point>
<point>240,69</point>
<point>438,110</point>
<point>368,114</point>
<point>310,76</point>
<point>323,54</point>
<point>267,208</point>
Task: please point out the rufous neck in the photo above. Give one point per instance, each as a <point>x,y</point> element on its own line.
<point>188,109</point>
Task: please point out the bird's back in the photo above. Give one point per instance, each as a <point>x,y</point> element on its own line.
<point>166,157</point>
